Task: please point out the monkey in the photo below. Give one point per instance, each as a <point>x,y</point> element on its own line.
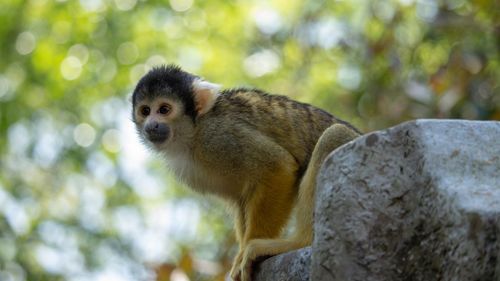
<point>257,151</point>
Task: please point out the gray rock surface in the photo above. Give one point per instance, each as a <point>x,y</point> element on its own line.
<point>291,266</point>
<point>419,201</point>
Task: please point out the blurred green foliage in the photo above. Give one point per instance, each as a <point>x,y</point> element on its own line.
<point>79,197</point>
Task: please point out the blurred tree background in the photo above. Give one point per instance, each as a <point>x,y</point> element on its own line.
<point>80,199</point>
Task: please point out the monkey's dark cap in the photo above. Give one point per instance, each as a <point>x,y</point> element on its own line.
<point>167,81</point>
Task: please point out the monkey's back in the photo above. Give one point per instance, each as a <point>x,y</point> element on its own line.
<point>293,125</point>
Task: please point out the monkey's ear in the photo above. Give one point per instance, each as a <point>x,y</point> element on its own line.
<point>205,94</point>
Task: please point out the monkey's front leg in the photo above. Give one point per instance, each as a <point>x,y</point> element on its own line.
<point>239,227</point>
<point>265,214</point>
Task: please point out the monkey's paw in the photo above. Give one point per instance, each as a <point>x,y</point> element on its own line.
<point>256,249</point>
<point>235,269</point>
<point>248,258</point>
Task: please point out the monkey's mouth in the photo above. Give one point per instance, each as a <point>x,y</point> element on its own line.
<point>157,138</point>
<point>157,133</point>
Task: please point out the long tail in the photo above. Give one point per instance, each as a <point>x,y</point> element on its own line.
<point>332,138</point>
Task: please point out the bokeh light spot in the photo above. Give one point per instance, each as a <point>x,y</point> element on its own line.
<point>71,68</point>
<point>125,5</point>
<point>191,58</point>
<point>92,5</point>
<point>137,72</point>
<point>108,70</point>
<point>349,77</point>
<point>84,134</point>
<point>181,5</point>
<point>261,63</point>
<point>427,9</point>
<point>267,20</point>
<point>25,43</point>
<point>155,61</point>
<point>111,140</point>
<point>4,86</point>
<point>79,51</point>
<point>329,33</point>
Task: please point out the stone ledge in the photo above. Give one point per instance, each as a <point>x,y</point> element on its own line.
<point>291,266</point>
<point>419,201</point>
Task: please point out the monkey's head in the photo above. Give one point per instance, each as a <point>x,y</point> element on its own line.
<point>166,103</point>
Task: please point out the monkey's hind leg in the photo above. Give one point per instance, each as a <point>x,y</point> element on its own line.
<point>332,138</point>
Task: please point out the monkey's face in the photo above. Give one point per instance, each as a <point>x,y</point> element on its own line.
<point>166,102</point>
<point>160,121</point>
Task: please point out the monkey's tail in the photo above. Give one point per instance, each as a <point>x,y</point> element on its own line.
<point>332,138</point>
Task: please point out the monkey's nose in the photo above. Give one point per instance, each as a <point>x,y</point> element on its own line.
<point>157,132</point>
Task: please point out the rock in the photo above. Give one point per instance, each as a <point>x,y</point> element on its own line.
<point>291,266</point>
<point>419,201</point>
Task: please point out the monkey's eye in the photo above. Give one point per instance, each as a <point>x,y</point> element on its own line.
<point>164,109</point>
<point>145,110</point>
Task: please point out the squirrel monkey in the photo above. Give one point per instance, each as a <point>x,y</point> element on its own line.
<point>259,152</point>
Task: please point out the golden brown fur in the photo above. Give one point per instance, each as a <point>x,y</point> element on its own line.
<point>259,152</point>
